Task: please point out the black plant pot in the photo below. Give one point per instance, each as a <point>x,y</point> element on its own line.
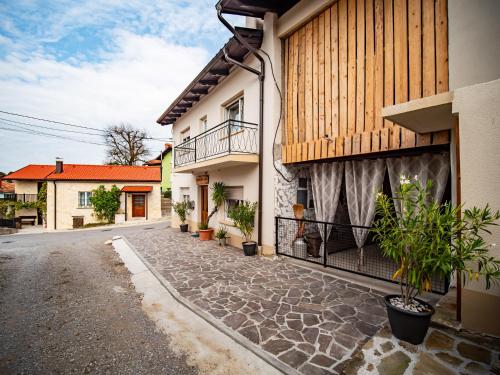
<point>407,325</point>
<point>249,248</point>
<point>184,227</point>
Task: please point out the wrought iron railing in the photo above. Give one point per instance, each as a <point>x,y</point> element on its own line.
<point>303,239</point>
<point>229,137</point>
<point>19,197</point>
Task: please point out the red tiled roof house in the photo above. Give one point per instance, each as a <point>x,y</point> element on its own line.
<point>69,187</point>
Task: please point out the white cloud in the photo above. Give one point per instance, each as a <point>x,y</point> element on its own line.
<point>133,84</point>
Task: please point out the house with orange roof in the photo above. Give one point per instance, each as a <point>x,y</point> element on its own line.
<point>70,186</point>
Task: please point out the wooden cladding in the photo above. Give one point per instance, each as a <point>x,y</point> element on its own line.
<point>351,60</point>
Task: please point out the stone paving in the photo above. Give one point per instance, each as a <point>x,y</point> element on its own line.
<point>441,353</point>
<point>309,320</point>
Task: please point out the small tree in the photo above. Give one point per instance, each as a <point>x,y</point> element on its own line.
<point>243,216</point>
<point>182,209</point>
<point>428,239</point>
<point>219,196</point>
<point>105,203</point>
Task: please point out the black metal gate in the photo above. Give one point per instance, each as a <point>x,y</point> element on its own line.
<point>303,239</point>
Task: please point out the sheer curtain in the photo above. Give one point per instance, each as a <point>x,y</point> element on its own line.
<point>363,180</point>
<point>435,167</point>
<point>326,179</point>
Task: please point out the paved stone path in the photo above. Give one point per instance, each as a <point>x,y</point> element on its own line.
<point>441,353</point>
<point>307,319</point>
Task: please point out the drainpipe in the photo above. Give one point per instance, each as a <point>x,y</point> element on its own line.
<point>261,76</point>
<point>55,205</point>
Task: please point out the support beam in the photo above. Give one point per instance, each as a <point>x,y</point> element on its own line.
<point>219,71</point>
<point>201,90</point>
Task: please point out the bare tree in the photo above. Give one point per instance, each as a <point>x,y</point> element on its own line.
<point>125,145</point>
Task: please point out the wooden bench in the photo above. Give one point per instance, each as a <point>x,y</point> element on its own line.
<point>28,220</point>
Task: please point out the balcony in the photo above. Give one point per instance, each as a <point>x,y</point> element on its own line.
<point>229,144</point>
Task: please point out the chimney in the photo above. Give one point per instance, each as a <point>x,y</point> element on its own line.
<point>59,165</point>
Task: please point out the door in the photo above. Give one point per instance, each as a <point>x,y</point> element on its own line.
<point>204,203</point>
<point>138,205</point>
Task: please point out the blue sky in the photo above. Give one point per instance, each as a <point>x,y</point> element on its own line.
<point>97,63</point>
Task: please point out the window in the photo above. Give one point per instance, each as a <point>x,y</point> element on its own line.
<point>304,193</point>
<point>185,135</point>
<point>184,194</point>
<point>234,198</point>
<point>84,199</point>
<point>203,124</point>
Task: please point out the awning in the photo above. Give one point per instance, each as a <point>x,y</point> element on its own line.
<point>137,189</point>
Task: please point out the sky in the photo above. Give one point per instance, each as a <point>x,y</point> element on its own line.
<point>96,63</point>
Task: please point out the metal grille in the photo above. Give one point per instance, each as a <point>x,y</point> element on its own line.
<point>229,137</point>
<point>302,239</point>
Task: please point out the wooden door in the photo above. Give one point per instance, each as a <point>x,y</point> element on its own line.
<point>138,205</point>
<point>204,203</point>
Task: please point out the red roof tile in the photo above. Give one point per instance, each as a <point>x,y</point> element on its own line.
<point>106,173</point>
<point>84,172</point>
<point>31,172</point>
<point>137,189</point>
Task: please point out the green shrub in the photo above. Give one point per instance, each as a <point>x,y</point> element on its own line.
<point>430,238</point>
<point>182,209</point>
<point>221,233</point>
<point>243,216</point>
<point>105,203</point>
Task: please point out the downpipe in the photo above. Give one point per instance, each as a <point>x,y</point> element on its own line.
<point>261,77</point>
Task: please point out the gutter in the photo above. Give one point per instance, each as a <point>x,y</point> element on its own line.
<point>261,75</point>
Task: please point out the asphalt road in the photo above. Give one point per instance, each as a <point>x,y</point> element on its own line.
<point>67,306</point>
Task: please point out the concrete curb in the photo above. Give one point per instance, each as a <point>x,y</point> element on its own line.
<point>236,337</point>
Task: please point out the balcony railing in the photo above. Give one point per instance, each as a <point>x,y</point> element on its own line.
<point>229,137</point>
<point>18,197</point>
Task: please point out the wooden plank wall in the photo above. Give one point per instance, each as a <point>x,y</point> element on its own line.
<point>351,60</point>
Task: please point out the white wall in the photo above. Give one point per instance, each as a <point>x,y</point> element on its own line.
<point>67,205</point>
<point>474,44</point>
<point>479,126</point>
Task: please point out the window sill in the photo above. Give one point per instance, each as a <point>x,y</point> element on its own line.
<point>227,222</point>
<point>84,208</point>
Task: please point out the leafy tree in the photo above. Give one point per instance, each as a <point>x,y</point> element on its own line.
<point>219,196</point>
<point>105,203</point>
<point>125,145</point>
<point>42,200</point>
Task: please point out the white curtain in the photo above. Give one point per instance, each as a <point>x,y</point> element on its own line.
<point>326,180</point>
<point>435,167</point>
<point>363,180</point>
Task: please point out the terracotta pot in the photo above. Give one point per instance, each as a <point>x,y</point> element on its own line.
<point>206,234</point>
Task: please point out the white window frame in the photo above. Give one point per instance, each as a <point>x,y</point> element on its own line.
<point>241,104</point>
<point>86,199</point>
<point>308,191</point>
<point>203,124</point>
<point>185,134</point>
<point>237,202</point>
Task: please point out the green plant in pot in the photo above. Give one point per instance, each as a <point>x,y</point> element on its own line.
<point>243,217</point>
<point>427,240</point>
<point>219,196</point>
<point>221,235</point>
<point>182,210</point>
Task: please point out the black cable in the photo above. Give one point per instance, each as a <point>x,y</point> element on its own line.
<point>73,125</point>
<point>33,132</point>
<point>46,127</point>
<point>279,121</point>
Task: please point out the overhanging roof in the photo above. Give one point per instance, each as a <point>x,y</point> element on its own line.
<point>211,75</point>
<point>255,8</point>
<point>423,115</point>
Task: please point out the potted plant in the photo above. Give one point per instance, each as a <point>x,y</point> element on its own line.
<point>221,235</point>
<point>243,216</point>
<point>219,196</point>
<point>427,240</point>
<point>182,209</point>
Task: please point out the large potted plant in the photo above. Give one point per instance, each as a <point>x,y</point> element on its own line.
<point>426,240</point>
<point>219,196</point>
<point>243,217</point>
<point>182,209</point>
